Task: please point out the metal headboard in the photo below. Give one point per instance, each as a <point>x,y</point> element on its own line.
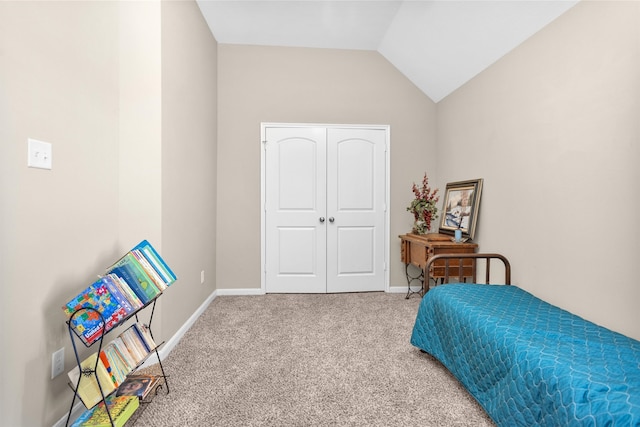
<point>460,274</point>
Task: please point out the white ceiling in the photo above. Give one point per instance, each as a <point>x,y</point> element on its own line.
<point>438,45</point>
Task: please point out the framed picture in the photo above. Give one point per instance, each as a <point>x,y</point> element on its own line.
<point>460,207</point>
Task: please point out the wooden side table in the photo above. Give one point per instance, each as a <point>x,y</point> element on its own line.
<point>417,249</point>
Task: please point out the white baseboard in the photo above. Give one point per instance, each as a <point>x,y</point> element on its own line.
<point>247,291</point>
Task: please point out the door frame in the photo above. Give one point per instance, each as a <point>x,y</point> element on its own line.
<point>263,206</point>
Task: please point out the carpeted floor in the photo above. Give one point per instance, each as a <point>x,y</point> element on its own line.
<point>308,360</point>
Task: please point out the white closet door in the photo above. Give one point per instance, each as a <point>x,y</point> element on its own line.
<point>295,205</point>
<point>356,182</point>
<point>324,209</point>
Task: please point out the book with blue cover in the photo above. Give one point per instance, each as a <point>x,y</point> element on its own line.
<point>156,261</point>
<point>117,293</point>
<point>88,323</point>
<point>131,296</point>
<point>130,270</point>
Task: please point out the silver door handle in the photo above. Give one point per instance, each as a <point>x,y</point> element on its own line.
<point>331,219</point>
<point>321,219</point>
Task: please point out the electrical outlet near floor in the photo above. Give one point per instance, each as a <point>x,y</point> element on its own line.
<point>57,363</point>
<point>39,154</point>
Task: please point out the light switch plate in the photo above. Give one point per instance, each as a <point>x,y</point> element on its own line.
<point>39,154</point>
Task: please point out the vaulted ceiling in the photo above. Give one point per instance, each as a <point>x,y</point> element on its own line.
<point>438,45</point>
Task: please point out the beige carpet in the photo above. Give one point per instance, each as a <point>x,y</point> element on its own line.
<point>308,360</point>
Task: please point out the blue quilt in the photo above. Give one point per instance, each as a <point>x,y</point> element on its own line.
<point>528,362</point>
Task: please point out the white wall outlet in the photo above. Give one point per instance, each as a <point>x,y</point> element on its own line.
<point>202,277</point>
<point>39,154</point>
<point>57,363</point>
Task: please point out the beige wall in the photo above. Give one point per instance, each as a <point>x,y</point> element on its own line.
<point>292,85</point>
<point>133,158</point>
<point>553,129</point>
<point>189,156</point>
<point>60,227</point>
<point>140,137</point>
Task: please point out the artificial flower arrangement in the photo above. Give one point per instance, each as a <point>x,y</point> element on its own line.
<point>424,206</point>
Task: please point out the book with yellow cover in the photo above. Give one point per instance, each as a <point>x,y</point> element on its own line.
<point>120,407</point>
<point>88,389</point>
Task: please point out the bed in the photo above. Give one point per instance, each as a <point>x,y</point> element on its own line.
<point>525,361</point>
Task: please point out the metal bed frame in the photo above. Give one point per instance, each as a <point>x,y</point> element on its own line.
<point>460,273</point>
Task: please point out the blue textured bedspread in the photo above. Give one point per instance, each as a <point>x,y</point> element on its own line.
<point>528,362</point>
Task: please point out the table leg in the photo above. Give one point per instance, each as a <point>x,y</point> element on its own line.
<point>411,279</point>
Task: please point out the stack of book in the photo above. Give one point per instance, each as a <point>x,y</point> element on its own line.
<point>132,282</point>
<point>100,374</point>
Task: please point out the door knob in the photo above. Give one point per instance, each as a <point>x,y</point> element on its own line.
<point>321,219</point>
<point>331,219</point>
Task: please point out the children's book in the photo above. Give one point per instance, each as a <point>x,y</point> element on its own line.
<point>119,368</point>
<point>130,270</point>
<point>148,268</point>
<point>88,323</point>
<point>110,370</point>
<point>138,385</point>
<point>145,334</point>
<point>117,293</point>
<point>156,261</point>
<point>133,344</point>
<point>123,351</point>
<point>120,408</point>
<point>84,379</point>
<point>127,291</point>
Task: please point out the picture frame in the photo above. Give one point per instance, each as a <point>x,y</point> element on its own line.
<point>460,207</point>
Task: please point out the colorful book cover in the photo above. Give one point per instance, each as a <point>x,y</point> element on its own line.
<point>121,409</point>
<point>148,268</point>
<point>134,300</point>
<point>88,323</point>
<point>138,385</point>
<point>139,271</point>
<point>117,293</point>
<point>105,361</point>
<point>119,368</point>
<point>128,268</point>
<point>87,296</point>
<point>156,261</point>
<point>127,276</point>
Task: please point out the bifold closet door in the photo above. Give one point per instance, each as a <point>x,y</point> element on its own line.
<point>324,209</point>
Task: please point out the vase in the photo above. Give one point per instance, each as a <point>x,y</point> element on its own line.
<point>421,227</point>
